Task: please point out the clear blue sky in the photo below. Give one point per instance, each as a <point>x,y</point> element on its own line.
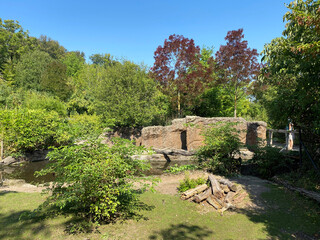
<point>134,29</point>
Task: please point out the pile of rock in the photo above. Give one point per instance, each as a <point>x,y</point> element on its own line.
<point>221,194</point>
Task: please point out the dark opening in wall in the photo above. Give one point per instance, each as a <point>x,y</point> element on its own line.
<point>183,137</point>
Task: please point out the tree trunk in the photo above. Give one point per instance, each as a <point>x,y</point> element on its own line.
<point>235,105</point>
<point>213,201</point>
<point>179,106</point>
<point>189,193</point>
<point>229,197</point>
<point>215,186</point>
<point>202,196</point>
<point>230,185</point>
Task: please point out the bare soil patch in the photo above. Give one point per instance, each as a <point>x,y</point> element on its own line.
<point>19,185</point>
<point>249,198</point>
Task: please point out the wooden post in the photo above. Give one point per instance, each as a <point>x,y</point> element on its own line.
<point>300,146</point>
<point>270,137</point>
<point>1,150</point>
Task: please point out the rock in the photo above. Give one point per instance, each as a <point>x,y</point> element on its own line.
<point>165,137</point>
<point>9,160</point>
<point>256,133</point>
<point>163,158</point>
<point>14,182</point>
<point>195,125</point>
<point>185,133</point>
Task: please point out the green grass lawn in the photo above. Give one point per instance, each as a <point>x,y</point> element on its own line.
<point>286,216</point>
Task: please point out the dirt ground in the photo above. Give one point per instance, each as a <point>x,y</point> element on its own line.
<point>249,196</point>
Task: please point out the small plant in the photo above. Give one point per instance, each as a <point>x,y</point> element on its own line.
<point>188,183</point>
<point>221,145</point>
<point>177,169</point>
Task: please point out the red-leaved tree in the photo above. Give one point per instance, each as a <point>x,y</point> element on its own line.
<point>238,65</point>
<point>178,69</point>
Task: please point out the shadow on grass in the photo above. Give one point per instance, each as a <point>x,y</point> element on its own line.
<point>26,221</point>
<point>182,231</point>
<point>13,228</point>
<point>285,215</point>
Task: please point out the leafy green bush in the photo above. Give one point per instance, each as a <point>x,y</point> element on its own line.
<point>94,181</point>
<point>269,161</point>
<point>221,144</point>
<point>84,126</point>
<point>37,100</point>
<point>177,169</point>
<point>188,183</point>
<point>28,130</point>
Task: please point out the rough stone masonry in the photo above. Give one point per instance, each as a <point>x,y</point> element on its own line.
<point>185,133</point>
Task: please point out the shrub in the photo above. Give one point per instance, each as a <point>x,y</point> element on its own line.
<point>269,161</point>
<point>44,101</point>
<point>177,169</point>
<point>28,130</point>
<point>85,126</point>
<point>221,144</point>
<point>188,183</point>
<point>94,181</point>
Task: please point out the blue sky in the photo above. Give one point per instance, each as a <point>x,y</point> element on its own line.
<point>134,29</point>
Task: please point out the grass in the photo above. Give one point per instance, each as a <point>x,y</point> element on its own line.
<point>286,215</point>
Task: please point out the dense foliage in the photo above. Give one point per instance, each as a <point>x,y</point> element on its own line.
<point>181,73</point>
<point>268,162</point>
<point>28,130</point>
<point>292,68</point>
<point>238,65</point>
<point>94,181</point>
<point>221,145</point>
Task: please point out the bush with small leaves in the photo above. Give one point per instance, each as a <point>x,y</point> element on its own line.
<point>94,181</point>
<point>221,143</point>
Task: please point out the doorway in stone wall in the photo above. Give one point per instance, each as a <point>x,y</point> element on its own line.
<point>183,137</point>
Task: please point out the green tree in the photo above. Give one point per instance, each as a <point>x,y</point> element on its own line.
<point>54,80</point>
<point>74,62</point>
<point>292,68</point>
<point>103,60</point>
<point>31,68</point>
<point>14,41</point>
<point>52,47</point>
<point>124,92</point>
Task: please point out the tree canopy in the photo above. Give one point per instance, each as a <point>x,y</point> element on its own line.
<point>292,67</point>
<point>238,65</point>
<point>179,71</point>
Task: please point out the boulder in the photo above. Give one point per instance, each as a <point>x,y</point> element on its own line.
<point>165,136</point>
<point>9,160</point>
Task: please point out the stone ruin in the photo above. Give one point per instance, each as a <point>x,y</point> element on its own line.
<point>178,141</point>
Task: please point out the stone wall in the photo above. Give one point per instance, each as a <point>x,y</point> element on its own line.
<point>256,133</point>
<point>185,133</point>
